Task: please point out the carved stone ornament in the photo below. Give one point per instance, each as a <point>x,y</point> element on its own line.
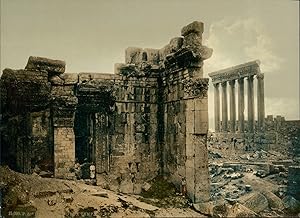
<point>196,88</point>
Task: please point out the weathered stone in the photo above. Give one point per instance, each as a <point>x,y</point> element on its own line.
<point>133,125</point>
<point>175,44</point>
<point>238,210</point>
<point>69,78</point>
<point>100,194</point>
<point>53,67</point>
<point>25,90</point>
<point>146,186</point>
<point>152,55</point>
<point>205,52</point>
<point>194,27</point>
<point>255,201</point>
<point>291,203</point>
<point>273,200</point>
<point>133,55</point>
<point>294,181</point>
<point>56,80</point>
<point>204,208</point>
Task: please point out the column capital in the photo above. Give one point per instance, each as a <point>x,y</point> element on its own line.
<point>231,82</point>
<point>216,85</point>
<point>260,76</point>
<point>250,77</point>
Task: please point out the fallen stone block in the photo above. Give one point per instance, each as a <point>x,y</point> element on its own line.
<point>100,194</point>
<point>239,210</point>
<point>146,186</point>
<point>127,201</point>
<point>273,200</point>
<point>53,67</point>
<point>291,203</point>
<point>204,208</point>
<point>68,198</point>
<point>261,173</point>
<point>255,201</point>
<point>248,188</point>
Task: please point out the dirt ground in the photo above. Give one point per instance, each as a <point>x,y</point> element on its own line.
<point>34,196</point>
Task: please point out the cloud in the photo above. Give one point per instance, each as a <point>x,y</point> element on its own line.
<point>236,41</point>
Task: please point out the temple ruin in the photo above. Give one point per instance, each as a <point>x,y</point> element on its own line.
<point>230,76</point>
<point>251,132</point>
<point>149,118</point>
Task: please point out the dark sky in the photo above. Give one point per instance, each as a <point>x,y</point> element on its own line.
<point>92,35</point>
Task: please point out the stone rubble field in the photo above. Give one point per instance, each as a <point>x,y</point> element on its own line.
<point>252,183</point>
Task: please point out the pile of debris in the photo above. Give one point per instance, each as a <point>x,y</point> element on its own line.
<point>249,188</point>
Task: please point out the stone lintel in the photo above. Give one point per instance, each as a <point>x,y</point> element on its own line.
<point>236,72</point>
<point>54,67</point>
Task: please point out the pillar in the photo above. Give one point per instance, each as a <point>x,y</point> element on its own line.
<point>232,105</point>
<point>224,107</point>
<point>241,105</point>
<point>217,107</point>
<point>260,101</point>
<point>250,105</point>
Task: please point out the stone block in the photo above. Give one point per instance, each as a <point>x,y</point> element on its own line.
<point>194,27</point>
<point>152,55</point>
<point>190,105</point>
<point>56,80</point>
<point>176,43</point>
<point>139,138</point>
<point>69,78</point>
<point>133,55</point>
<point>201,104</point>
<point>53,67</point>
<point>140,128</point>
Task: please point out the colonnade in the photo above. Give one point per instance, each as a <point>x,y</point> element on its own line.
<point>226,80</point>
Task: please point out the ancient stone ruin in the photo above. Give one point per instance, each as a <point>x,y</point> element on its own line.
<point>149,118</point>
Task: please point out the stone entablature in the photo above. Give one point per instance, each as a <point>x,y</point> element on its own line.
<point>236,72</point>
<point>149,118</point>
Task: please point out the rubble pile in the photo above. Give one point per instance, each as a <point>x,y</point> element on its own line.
<point>251,183</point>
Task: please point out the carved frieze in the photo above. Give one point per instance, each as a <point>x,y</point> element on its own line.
<point>236,72</point>
<point>196,87</point>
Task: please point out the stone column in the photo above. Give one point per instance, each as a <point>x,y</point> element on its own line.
<point>232,105</point>
<point>250,105</point>
<point>224,107</point>
<point>241,105</point>
<point>217,107</point>
<point>260,101</point>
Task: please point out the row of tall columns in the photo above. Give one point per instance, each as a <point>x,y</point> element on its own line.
<point>241,105</point>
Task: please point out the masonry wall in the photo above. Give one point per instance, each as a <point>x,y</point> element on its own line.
<point>25,120</point>
<point>125,133</point>
<point>147,119</point>
<point>64,151</point>
<point>186,126</point>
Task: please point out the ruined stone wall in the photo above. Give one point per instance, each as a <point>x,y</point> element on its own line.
<point>126,153</point>
<point>186,125</point>
<point>150,118</point>
<point>25,140</point>
<point>186,114</point>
